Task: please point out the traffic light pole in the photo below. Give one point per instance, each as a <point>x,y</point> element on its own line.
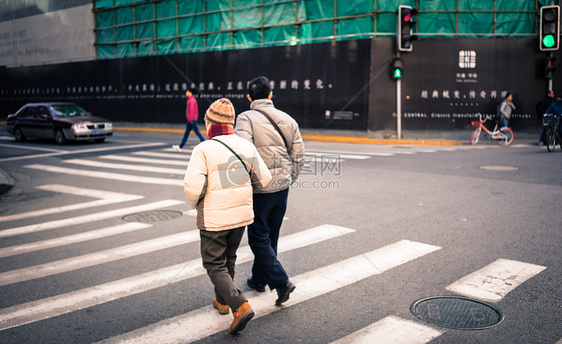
<point>549,54</point>
<point>398,104</point>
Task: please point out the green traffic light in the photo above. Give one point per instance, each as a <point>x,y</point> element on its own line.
<point>397,73</point>
<point>548,41</point>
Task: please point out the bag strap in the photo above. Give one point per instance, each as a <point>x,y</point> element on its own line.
<point>276,128</point>
<point>233,152</point>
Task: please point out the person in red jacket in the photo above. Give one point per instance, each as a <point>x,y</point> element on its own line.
<point>192,116</point>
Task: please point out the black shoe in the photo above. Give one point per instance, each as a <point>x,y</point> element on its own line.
<point>283,292</point>
<point>252,284</point>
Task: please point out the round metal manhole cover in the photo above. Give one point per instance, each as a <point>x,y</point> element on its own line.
<point>456,312</point>
<point>499,168</point>
<point>152,216</point>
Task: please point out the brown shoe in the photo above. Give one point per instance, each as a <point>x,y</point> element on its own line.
<point>241,317</point>
<point>223,309</point>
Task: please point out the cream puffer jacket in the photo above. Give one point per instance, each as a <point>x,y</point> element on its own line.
<point>219,187</point>
<point>284,165</point>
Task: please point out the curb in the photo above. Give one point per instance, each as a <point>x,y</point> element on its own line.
<point>313,137</point>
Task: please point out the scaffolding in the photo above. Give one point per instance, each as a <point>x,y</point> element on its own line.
<point>131,28</point>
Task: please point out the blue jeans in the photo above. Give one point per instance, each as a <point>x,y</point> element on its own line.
<point>263,236</point>
<point>191,125</point>
<point>505,121</point>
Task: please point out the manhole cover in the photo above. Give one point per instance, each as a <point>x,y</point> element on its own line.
<point>456,312</point>
<point>499,168</point>
<point>152,216</point>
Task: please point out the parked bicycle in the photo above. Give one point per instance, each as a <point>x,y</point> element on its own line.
<point>503,135</point>
<point>551,131</point>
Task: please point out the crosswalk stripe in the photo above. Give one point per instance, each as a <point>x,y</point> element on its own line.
<point>72,239</point>
<point>81,151</point>
<point>87,218</point>
<point>145,160</point>
<point>108,175</point>
<point>309,285</point>
<point>394,330</point>
<point>494,281</point>
<point>161,155</point>
<point>79,191</point>
<point>69,302</point>
<point>106,197</point>
<point>143,168</point>
<point>97,258</point>
<point>338,155</point>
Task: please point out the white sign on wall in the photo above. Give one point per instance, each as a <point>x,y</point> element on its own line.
<point>54,37</point>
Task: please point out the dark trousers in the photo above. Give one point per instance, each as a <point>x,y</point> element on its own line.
<point>218,252</point>
<point>188,127</point>
<point>263,236</point>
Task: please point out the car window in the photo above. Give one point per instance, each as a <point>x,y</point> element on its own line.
<point>29,112</point>
<point>68,110</point>
<point>42,110</point>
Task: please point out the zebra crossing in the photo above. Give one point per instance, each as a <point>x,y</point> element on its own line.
<point>505,274</point>
<point>168,162</point>
<point>490,283</point>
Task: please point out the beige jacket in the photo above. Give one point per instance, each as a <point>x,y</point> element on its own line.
<point>219,187</point>
<point>256,128</point>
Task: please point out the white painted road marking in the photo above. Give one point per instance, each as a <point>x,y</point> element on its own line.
<point>108,175</point>
<point>97,258</point>
<point>87,218</point>
<point>106,197</point>
<point>72,239</point>
<point>142,168</point>
<point>146,160</point>
<point>309,285</point>
<point>176,155</point>
<point>493,282</point>
<point>81,151</point>
<point>392,330</point>
<point>331,155</point>
<point>66,303</point>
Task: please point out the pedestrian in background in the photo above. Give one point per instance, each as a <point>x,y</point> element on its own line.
<point>506,108</point>
<point>541,108</point>
<point>218,183</point>
<point>277,137</point>
<point>192,116</point>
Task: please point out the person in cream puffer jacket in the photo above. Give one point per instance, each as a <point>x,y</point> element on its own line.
<point>220,176</point>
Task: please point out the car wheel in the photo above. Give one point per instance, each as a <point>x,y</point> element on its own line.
<point>18,134</point>
<point>60,139</point>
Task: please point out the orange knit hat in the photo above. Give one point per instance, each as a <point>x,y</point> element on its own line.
<point>221,112</point>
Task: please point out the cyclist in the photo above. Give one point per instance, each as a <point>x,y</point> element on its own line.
<point>556,109</point>
<point>541,108</point>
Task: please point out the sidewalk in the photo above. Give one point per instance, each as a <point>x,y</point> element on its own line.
<point>449,138</point>
<point>382,137</point>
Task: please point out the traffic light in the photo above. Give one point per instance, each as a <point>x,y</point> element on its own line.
<point>549,28</point>
<point>396,69</point>
<point>405,29</point>
<point>549,67</point>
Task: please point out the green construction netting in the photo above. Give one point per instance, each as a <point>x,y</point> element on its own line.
<point>141,27</point>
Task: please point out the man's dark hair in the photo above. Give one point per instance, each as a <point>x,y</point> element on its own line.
<point>259,88</point>
<point>193,90</point>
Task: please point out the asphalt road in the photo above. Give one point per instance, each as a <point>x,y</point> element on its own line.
<point>369,230</point>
